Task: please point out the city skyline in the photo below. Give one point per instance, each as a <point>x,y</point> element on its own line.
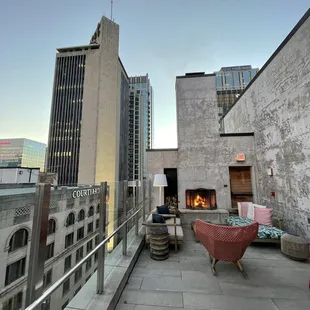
<point>201,47</point>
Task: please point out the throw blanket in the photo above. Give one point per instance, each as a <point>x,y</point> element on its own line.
<point>264,232</point>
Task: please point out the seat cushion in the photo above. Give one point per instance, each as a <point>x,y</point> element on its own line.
<point>158,219</point>
<point>163,209</point>
<point>172,234</point>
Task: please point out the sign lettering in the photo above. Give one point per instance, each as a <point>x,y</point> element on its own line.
<point>85,192</point>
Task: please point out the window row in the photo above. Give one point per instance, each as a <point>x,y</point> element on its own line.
<point>69,239</point>
<point>81,215</point>
<point>78,274</point>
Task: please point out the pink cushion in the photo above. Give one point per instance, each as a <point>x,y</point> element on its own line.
<point>244,209</point>
<point>263,216</point>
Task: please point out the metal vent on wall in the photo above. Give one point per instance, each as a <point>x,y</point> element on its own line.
<point>22,211</point>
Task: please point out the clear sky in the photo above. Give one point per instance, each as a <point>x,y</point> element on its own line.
<point>164,38</point>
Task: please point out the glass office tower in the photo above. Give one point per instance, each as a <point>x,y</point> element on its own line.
<point>230,82</point>
<point>22,153</point>
<point>140,125</point>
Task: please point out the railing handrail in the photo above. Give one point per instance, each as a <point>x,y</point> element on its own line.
<point>59,282</point>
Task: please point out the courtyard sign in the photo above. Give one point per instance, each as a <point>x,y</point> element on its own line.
<point>85,192</point>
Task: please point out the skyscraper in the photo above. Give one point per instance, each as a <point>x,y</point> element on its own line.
<point>140,125</point>
<point>22,153</point>
<point>88,125</point>
<point>230,82</point>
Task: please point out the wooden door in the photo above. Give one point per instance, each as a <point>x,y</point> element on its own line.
<point>240,185</point>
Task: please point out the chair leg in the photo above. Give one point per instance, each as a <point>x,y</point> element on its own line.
<point>214,261</point>
<point>239,266</point>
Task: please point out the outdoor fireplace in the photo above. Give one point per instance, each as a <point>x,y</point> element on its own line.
<point>200,199</point>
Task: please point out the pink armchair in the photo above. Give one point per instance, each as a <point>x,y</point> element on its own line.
<point>226,243</point>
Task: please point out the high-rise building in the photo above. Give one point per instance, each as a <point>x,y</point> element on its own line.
<point>140,125</point>
<point>230,82</point>
<point>22,153</point>
<point>88,133</point>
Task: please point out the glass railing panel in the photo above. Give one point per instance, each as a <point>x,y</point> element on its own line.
<point>65,234</point>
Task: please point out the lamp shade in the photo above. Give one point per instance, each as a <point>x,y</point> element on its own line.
<point>160,180</point>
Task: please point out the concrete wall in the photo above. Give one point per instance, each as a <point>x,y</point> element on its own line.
<point>19,175</point>
<point>204,156</point>
<point>276,107</point>
<point>88,139</point>
<point>157,160</point>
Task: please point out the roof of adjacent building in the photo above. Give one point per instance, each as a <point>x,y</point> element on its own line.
<point>17,191</point>
<point>194,75</point>
<point>78,48</point>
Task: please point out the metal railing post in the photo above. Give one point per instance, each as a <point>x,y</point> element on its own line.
<point>38,243</point>
<point>125,190</point>
<point>102,228</point>
<point>150,195</point>
<point>143,199</point>
<point>137,206</point>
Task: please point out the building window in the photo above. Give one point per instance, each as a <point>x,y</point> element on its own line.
<point>96,256</point>
<point>18,240</point>
<point>246,77</point>
<point>97,223</point>
<point>78,275</point>
<point>66,287</point>
<point>51,227</point>
<point>50,251</point>
<point>88,264</point>
<point>90,227</point>
<point>14,303</point>
<point>46,305</point>
<point>69,240</point>
<point>80,233</point>
<point>96,240</point>
<point>70,219</point>
<point>67,263</point>
<point>64,306</point>
<point>89,246</point>
<point>91,211</point>
<point>77,290</point>
<point>81,215</point>
<point>15,271</point>
<point>236,79</point>
<point>79,254</point>
<point>98,208</point>
<point>47,279</point>
<point>253,73</point>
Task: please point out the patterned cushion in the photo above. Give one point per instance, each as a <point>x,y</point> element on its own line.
<point>264,232</point>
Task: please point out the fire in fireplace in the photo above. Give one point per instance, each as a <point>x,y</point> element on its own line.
<point>200,199</point>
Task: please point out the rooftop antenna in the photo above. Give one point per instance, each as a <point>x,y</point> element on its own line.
<point>112,10</point>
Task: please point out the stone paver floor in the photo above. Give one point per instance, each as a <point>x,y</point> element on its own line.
<point>185,281</point>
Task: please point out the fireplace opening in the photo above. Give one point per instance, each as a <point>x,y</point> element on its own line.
<point>200,199</point>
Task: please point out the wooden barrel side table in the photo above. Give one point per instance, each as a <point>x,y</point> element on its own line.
<point>159,243</point>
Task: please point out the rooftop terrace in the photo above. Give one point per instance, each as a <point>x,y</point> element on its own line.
<point>185,281</point>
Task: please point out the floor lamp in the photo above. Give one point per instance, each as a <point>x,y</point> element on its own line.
<point>160,181</point>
